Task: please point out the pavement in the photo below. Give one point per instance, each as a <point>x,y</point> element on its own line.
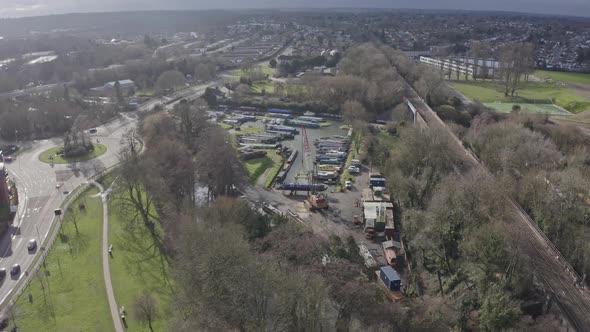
<point>106,258</point>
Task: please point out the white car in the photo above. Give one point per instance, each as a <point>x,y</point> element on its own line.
<point>348,184</point>
<point>32,244</point>
<point>354,170</point>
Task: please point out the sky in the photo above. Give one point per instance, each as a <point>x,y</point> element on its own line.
<point>18,8</point>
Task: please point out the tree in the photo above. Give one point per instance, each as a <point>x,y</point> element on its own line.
<point>169,80</point>
<point>498,311</point>
<point>273,63</point>
<point>119,93</point>
<point>353,112</point>
<point>516,61</point>
<point>145,308</point>
<point>73,216</point>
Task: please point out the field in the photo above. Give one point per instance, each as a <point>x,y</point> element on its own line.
<point>564,77</point>
<point>74,292</point>
<point>532,92</point>
<point>264,68</point>
<point>266,85</point>
<point>99,150</point>
<point>257,167</point>
<point>137,265</point>
<point>529,108</point>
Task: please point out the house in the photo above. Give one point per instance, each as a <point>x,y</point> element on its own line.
<point>109,88</point>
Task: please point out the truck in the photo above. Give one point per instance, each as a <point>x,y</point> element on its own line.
<point>391,282</point>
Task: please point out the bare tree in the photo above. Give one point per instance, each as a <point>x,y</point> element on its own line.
<point>516,61</point>
<point>145,308</point>
<point>73,216</point>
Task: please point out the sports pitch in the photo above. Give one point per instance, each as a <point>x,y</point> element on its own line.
<point>530,108</point>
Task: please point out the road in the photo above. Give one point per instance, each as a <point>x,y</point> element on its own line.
<point>44,187</point>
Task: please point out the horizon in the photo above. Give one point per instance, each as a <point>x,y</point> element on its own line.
<point>33,11</point>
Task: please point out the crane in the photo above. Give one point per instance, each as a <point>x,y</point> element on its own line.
<point>315,200</point>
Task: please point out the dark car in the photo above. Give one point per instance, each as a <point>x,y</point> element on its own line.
<point>15,270</point>
<point>92,130</point>
<point>2,273</point>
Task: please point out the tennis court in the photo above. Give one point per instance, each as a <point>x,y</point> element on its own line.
<point>530,108</point>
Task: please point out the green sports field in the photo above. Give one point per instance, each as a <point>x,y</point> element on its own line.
<point>529,108</point>
<point>564,77</point>
<point>531,93</point>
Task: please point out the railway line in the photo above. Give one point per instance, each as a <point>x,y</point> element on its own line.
<point>557,276</point>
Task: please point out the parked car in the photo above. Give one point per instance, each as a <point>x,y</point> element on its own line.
<point>15,270</point>
<point>355,162</point>
<point>354,170</point>
<point>92,130</point>
<point>348,185</point>
<point>32,244</point>
<point>2,273</point>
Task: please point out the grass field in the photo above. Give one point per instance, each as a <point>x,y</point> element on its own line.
<point>532,92</point>
<point>76,299</point>
<point>258,87</point>
<point>137,265</point>
<point>564,77</point>
<point>529,108</point>
<point>99,150</point>
<point>257,167</point>
<point>264,68</point>
<point>249,130</point>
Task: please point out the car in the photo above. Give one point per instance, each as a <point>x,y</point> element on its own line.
<point>348,184</point>
<point>354,170</point>
<point>2,273</point>
<point>8,159</point>
<point>92,130</point>
<point>32,244</point>
<point>15,269</point>
<point>355,162</point>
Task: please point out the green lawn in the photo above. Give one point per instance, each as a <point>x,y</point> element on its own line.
<point>99,150</point>
<point>76,299</point>
<point>137,265</point>
<point>564,77</point>
<point>258,87</point>
<point>529,108</point>
<point>225,125</point>
<point>275,169</point>
<point>264,68</point>
<point>257,167</point>
<point>532,92</point>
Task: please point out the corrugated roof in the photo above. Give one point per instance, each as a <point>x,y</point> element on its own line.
<point>390,273</point>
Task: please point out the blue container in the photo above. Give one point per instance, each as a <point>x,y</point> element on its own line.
<point>390,278</point>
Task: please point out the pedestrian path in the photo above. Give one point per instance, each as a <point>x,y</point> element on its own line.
<point>105,259</point>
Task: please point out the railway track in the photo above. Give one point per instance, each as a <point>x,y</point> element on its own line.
<point>557,276</point>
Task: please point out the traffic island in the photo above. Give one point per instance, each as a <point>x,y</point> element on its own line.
<point>55,155</point>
